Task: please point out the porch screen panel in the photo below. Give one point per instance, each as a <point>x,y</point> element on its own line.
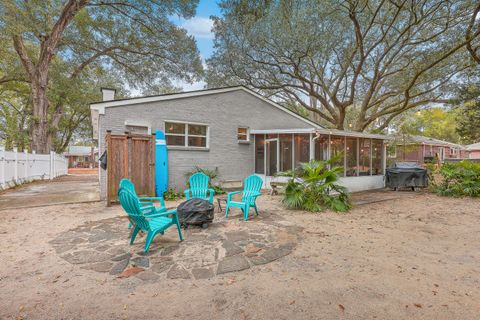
<point>337,149</point>
<point>285,152</point>
<point>377,160</point>
<point>321,148</point>
<point>364,161</point>
<point>351,157</point>
<point>259,153</point>
<point>302,148</point>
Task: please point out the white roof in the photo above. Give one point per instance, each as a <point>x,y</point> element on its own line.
<point>98,108</point>
<point>412,139</point>
<point>79,151</point>
<point>474,146</point>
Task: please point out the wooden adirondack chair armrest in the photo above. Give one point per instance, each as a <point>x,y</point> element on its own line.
<point>187,194</point>
<point>230,194</point>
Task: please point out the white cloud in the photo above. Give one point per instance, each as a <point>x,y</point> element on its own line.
<point>199,27</point>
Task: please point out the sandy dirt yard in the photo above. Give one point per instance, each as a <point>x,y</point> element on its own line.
<point>413,257</point>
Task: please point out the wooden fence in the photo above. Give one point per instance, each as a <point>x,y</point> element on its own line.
<point>130,156</point>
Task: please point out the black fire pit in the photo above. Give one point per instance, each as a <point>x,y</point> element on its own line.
<point>406,175</point>
<point>196,212</point>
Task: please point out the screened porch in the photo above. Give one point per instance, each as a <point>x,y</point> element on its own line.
<point>360,155</point>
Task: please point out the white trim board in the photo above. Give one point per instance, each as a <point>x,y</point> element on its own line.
<point>323,131</point>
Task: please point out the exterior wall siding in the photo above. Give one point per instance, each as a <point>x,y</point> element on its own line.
<point>417,152</point>
<point>474,154</point>
<point>222,112</point>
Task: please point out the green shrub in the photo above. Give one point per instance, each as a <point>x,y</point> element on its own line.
<point>314,187</point>
<point>212,174</point>
<point>172,195</point>
<point>459,179</point>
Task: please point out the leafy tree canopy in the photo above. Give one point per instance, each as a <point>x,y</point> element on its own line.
<point>437,122</point>
<point>380,58</point>
<point>468,111</point>
<point>61,52</point>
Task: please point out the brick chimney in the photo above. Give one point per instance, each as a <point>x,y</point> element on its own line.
<point>108,94</point>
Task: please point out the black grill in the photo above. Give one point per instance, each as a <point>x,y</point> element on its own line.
<point>406,175</point>
<point>197,212</point>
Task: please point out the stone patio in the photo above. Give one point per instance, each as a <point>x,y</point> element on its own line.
<point>226,246</point>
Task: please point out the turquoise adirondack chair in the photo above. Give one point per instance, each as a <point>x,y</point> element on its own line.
<point>127,184</point>
<point>144,201</point>
<point>199,187</point>
<point>153,223</point>
<point>251,190</point>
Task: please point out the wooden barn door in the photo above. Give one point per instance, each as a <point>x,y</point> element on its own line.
<point>132,157</point>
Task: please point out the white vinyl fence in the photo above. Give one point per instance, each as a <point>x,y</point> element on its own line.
<point>21,167</point>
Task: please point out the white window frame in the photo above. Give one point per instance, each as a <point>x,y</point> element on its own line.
<point>129,123</point>
<point>247,134</point>
<point>186,135</point>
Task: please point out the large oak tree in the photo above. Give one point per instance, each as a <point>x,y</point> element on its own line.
<point>376,59</point>
<point>77,42</point>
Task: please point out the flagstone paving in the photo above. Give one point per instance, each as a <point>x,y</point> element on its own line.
<point>226,246</point>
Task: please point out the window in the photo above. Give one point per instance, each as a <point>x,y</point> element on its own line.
<point>337,149</point>
<point>364,160</point>
<point>351,151</point>
<point>285,152</point>
<point>259,153</point>
<point>321,148</point>
<point>243,134</point>
<point>302,148</point>
<point>186,134</point>
<point>377,155</point>
<point>137,127</point>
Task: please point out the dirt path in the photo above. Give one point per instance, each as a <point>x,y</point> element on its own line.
<point>415,257</point>
<point>66,189</point>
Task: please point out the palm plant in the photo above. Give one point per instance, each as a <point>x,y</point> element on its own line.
<point>314,187</point>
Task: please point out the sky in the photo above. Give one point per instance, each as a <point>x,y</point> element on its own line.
<point>200,27</point>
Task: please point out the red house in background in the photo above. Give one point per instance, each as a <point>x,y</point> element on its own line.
<point>473,150</point>
<point>82,157</point>
<point>421,149</point>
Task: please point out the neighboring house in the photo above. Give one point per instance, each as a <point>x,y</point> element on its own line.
<point>239,132</point>
<point>82,157</point>
<point>420,148</point>
<point>473,150</point>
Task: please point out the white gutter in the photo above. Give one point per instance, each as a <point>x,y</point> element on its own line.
<point>324,132</point>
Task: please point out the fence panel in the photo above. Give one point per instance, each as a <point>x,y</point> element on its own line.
<point>21,167</point>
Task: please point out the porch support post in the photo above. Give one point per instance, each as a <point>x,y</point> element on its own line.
<point>371,153</point>
<point>312,147</point>
<point>384,157</point>
<point>344,156</point>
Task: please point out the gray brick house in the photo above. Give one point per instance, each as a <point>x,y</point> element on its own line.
<point>239,132</point>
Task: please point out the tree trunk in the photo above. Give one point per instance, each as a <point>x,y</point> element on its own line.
<point>40,104</point>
